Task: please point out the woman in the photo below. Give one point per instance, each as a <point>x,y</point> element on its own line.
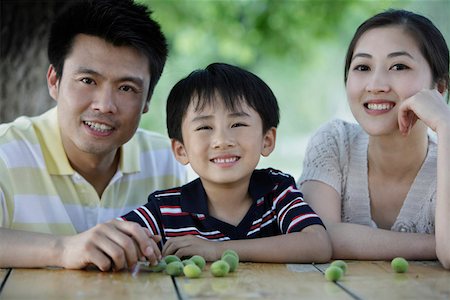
<point>382,186</point>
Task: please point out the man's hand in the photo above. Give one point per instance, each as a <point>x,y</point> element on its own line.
<point>110,246</point>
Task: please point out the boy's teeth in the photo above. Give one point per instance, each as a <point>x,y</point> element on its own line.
<point>225,160</point>
<point>98,126</point>
<point>384,106</point>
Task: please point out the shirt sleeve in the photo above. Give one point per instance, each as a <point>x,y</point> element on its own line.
<point>4,182</point>
<point>293,214</point>
<point>325,156</point>
<point>148,216</point>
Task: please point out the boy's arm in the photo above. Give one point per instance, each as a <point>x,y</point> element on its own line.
<point>113,245</point>
<point>310,245</point>
<point>354,241</point>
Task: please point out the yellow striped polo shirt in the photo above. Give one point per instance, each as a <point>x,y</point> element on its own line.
<point>40,191</point>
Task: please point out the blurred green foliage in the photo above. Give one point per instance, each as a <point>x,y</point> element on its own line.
<point>296,46</point>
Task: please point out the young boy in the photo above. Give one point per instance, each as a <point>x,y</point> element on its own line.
<point>220,120</point>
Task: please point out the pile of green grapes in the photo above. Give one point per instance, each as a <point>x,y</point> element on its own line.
<point>193,267</point>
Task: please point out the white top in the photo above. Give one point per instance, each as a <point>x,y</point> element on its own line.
<point>40,191</point>
<point>337,156</point>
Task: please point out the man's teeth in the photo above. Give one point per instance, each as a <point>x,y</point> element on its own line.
<point>225,160</point>
<point>98,126</point>
<point>384,106</point>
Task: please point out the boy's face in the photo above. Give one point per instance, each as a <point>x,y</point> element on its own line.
<point>101,96</point>
<point>222,146</point>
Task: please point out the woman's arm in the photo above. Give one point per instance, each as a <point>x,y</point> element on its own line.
<point>310,245</point>
<point>353,241</point>
<point>429,106</point>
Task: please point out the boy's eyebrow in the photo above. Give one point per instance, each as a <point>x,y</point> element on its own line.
<point>136,80</point>
<point>239,114</point>
<point>232,115</point>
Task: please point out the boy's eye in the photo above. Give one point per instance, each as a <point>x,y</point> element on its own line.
<point>399,67</point>
<point>361,68</point>
<point>238,125</point>
<point>203,128</point>
<point>87,80</point>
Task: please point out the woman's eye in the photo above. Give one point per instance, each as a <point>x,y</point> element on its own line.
<point>361,68</point>
<point>399,67</point>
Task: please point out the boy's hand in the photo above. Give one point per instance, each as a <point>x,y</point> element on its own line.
<point>110,246</point>
<point>428,106</point>
<point>190,245</point>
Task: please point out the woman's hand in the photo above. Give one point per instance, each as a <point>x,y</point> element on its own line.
<point>428,106</point>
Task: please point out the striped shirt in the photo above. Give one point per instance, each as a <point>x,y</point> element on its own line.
<point>40,191</point>
<point>278,208</point>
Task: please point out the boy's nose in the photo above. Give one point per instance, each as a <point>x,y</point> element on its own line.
<point>223,139</point>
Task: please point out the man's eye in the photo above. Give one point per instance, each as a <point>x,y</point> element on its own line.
<point>238,125</point>
<point>87,80</point>
<point>127,88</point>
<point>361,68</point>
<point>399,67</point>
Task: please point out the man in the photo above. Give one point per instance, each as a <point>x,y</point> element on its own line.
<point>84,162</point>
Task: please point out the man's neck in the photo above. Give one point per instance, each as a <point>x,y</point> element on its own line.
<point>97,171</point>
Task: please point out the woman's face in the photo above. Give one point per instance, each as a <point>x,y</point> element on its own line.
<point>387,67</point>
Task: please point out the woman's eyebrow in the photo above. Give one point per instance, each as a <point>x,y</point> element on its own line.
<point>400,53</point>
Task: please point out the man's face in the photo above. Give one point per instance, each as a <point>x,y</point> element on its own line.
<point>101,95</point>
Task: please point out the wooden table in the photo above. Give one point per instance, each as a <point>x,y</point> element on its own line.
<point>364,280</point>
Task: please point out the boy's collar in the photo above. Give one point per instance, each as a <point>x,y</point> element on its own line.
<point>194,199</point>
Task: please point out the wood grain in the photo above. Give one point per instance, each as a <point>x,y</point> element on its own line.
<point>81,284</point>
<point>376,280</point>
<point>261,281</point>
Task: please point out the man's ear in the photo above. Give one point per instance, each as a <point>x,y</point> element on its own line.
<point>180,152</point>
<point>52,82</point>
<point>269,141</point>
<point>147,103</point>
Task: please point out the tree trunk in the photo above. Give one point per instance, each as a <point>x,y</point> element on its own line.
<point>25,26</point>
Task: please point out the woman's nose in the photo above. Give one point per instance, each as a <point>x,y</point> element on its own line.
<point>378,82</point>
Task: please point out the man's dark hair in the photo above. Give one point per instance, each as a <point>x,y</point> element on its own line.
<point>119,22</point>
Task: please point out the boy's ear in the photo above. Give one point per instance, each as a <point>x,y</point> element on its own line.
<point>52,82</point>
<point>180,152</point>
<point>269,141</point>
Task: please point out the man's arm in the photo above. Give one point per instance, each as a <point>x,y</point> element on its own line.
<point>110,246</point>
<point>310,245</point>
<point>353,241</point>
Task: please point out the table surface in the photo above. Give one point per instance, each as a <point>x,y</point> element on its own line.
<point>363,280</point>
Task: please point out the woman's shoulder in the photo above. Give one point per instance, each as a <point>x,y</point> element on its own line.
<point>337,131</point>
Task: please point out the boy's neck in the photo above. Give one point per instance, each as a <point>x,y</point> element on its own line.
<point>228,203</point>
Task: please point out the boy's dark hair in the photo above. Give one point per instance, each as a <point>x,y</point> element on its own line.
<point>119,22</point>
<point>429,40</point>
<point>224,82</point>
